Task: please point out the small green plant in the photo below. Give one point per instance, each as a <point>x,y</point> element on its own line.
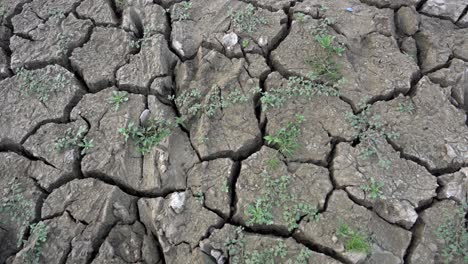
<point>145,138</point>
<point>183,12</point>
<point>118,98</point>
<point>40,85</point>
<point>454,234</point>
<point>353,240</point>
<point>297,87</point>
<point>225,188</point>
<point>406,107</point>
<point>236,246</point>
<point>371,133</point>
<point>56,14</point>
<point>74,139</point>
<point>145,40</point>
<point>245,43</point>
<point>300,17</point>
<point>121,4</point>
<point>39,233</point>
<point>200,196</point>
<point>324,65</point>
<point>19,209</point>
<point>276,195</point>
<point>373,189</point>
<point>273,163</point>
<point>286,138</point>
<point>247,19</point>
<point>213,101</point>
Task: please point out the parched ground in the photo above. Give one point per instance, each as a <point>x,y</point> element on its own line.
<point>278,131</point>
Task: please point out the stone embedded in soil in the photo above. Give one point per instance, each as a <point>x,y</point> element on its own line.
<point>433,120</point>
<point>325,118</point>
<point>454,186</point>
<point>154,60</point>
<point>212,180</point>
<point>97,67</point>
<point>438,41</point>
<point>408,46</point>
<point>128,244</point>
<point>407,20</point>
<point>43,144</point>
<point>373,66</point>
<point>231,131</point>
<point>62,231</point>
<point>452,79</point>
<point>428,248</point>
<point>49,42</point>
<point>388,243</point>
<point>23,112</point>
<point>96,204</point>
<point>100,12</point>
<point>209,24</point>
<point>444,9</point>
<point>309,183</point>
<point>162,87</point>
<point>163,169</point>
<point>215,245</point>
<point>142,16</point>
<point>179,219</point>
<point>405,185</point>
<point>15,169</point>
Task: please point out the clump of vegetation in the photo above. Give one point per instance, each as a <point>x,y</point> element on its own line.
<point>455,236</point>
<point>406,107</point>
<point>371,133</point>
<point>118,98</point>
<point>297,87</point>
<point>238,253</point>
<point>19,209</point>
<point>146,137</point>
<point>74,139</point>
<point>247,19</point>
<point>183,12</point>
<point>356,241</point>
<point>145,40</point>
<point>56,14</point>
<point>300,17</point>
<point>324,65</point>
<point>373,189</point>
<point>277,195</point>
<point>200,196</point>
<point>286,138</point>
<point>121,4</point>
<point>39,233</point>
<point>40,85</point>
<point>245,43</point>
<point>213,101</point>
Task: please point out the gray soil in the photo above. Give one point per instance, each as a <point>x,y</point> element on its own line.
<point>189,198</point>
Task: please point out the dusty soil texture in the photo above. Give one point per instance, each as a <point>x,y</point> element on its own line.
<point>233,131</point>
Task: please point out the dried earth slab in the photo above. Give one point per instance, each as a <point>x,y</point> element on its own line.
<point>344,221</point>
<point>235,245</point>
<point>271,195</point>
<point>35,97</point>
<point>20,199</point>
<point>258,27</point>
<point>394,193</point>
<point>179,221</point>
<point>100,12</point>
<point>432,119</point>
<point>59,145</point>
<point>97,67</point>
<point>452,79</point>
<point>372,65</point>
<point>438,41</point>
<point>215,96</point>
<point>210,180</point>
<point>92,204</point>
<point>441,223</point>
<point>164,168</point>
<point>49,42</point>
<point>324,120</point>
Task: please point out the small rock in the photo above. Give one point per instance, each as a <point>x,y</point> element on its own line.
<point>407,19</point>
<point>230,40</point>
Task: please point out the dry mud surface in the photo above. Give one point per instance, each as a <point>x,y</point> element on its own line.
<point>255,160</point>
